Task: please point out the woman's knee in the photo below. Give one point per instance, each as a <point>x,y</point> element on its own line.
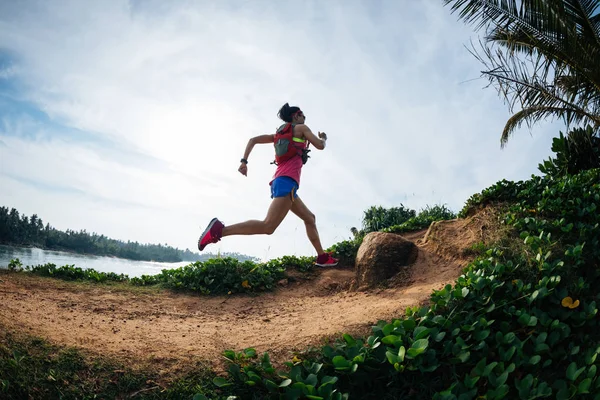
<point>269,227</point>
<point>310,219</point>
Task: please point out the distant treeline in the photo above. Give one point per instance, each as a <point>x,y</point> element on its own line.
<point>21,230</point>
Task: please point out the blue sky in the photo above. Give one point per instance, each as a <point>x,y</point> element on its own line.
<point>128,118</point>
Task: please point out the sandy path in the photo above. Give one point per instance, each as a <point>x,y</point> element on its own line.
<point>169,328</point>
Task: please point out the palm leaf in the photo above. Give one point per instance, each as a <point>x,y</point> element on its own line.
<point>542,55</point>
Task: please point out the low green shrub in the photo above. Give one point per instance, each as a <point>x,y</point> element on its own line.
<point>422,220</point>
<point>71,272</point>
<point>346,250</point>
<point>214,276</point>
<point>221,276</point>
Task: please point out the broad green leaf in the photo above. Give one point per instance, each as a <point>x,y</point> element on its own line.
<point>584,386</point>
<point>340,362</point>
<point>421,344</point>
<point>481,335</point>
<point>509,337</point>
<point>221,382</point>
<point>315,368</point>
<point>401,354</point>
<point>391,340</point>
<point>534,359</point>
<point>392,358</point>
<point>572,371</point>
<point>272,385</point>
<point>311,380</point>
<point>471,381</point>
<point>349,339</point>
<point>329,380</point>
<point>250,352</point>
<point>464,356</point>
<point>409,324</point>
<point>285,383</point>
<point>501,379</point>
<point>421,332</point>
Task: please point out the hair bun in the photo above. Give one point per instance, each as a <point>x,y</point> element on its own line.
<point>285,112</point>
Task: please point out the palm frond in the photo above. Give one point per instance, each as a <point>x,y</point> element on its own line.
<point>542,55</point>
<point>532,115</point>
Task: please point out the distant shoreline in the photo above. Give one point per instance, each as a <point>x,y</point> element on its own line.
<point>68,251</point>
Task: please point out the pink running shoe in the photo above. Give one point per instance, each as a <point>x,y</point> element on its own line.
<point>212,233</point>
<point>326,260</point>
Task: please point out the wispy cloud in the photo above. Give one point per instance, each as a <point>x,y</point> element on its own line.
<point>152,103</point>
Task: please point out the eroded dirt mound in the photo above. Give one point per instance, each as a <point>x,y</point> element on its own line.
<point>167,329</point>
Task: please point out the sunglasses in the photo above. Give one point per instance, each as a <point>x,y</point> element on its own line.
<point>300,114</point>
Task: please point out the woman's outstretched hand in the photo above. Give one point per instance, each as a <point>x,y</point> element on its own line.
<point>322,135</point>
<point>243,169</point>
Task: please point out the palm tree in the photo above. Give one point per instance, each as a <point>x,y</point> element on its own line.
<point>541,55</point>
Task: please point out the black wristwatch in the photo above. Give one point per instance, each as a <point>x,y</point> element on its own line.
<point>244,161</point>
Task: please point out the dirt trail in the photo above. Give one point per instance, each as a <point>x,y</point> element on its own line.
<point>168,329</point>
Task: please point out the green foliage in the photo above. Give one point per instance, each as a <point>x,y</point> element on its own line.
<point>377,218</point>
<point>346,250</point>
<point>541,55</point>
<point>15,265</point>
<point>302,264</point>
<point>71,272</point>
<point>31,368</point>
<point>253,377</point>
<point>220,276</point>
<point>421,221</point>
<point>576,152</point>
<point>214,276</point>
<point>516,324</point>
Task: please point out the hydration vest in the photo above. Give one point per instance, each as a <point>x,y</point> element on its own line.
<point>284,145</point>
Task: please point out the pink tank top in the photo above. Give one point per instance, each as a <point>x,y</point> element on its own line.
<point>292,167</point>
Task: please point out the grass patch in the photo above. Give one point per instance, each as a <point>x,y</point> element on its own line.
<point>32,368</point>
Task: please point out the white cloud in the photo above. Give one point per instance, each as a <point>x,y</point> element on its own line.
<point>187,83</point>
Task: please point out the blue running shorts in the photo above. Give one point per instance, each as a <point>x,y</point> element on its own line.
<point>283,186</point>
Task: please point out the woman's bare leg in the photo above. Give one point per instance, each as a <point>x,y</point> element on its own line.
<point>278,209</point>
<point>300,209</point>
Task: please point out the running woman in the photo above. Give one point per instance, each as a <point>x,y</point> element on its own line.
<point>291,147</point>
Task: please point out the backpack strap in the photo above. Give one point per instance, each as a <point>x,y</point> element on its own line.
<point>294,138</point>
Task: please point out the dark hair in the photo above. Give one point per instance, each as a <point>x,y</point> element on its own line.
<point>286,112</point>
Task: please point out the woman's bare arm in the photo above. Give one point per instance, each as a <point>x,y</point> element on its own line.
<point>262,139</point>
<point>318,142</point>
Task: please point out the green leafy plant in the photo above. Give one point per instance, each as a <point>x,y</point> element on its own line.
<point>576,152</point>
<point>258,377</point>
<point>32,368</point>
<point>377,218</point>
<point>15,265</point>
<point>346,250</point>
<point>422,220</point>
<point>541,55</point>
<point>215,276</point>
<point>520,322</point>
